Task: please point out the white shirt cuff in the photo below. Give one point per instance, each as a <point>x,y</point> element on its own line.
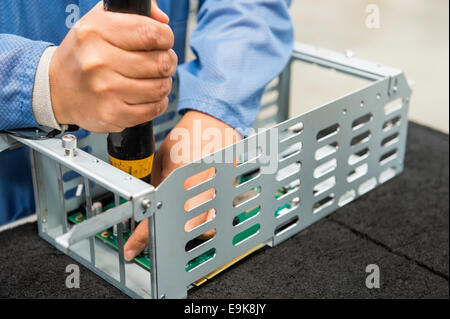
<point>42,102</point>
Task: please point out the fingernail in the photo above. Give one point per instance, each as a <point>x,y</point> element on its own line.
<point>129,254</point>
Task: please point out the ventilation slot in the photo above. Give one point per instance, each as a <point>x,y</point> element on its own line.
<point>200,220</point>
<point>326,151</point>
<point>287,208</point>
<point>357,173</point>
<point>246,196</point>
<point>389,156</point>
<point>200,260</point>
<point>390,140</point>
<point>362,121</point>
<point>325,168</point>
<point>347,198</point>
<point>291,132</point>
<point>358,156</point>
<point>286,226</point>
<point>246,234</point>
<point>393,106</point>
<point>387,174</point>
<point>247,215</point>
<point>367,186</point>
<point>324,186</point>
<point>288,189</point>
<point>200,240</point>
<point>361,139</point>
<point>328,132</point>
<point>199,199</point>
<point>324,203</point>
<point>246,177</point>
<point>199,178</point>
<point>288,171</point>
<point>389,124</point>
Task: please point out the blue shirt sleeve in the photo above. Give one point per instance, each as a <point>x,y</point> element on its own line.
<point>19,59</point>
<point>240,46</point>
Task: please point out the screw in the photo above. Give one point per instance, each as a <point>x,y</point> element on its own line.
<point>159,205</point>
<point>146,203</point>
<point>69,143</point>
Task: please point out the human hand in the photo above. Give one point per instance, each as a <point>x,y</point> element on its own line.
<point>165,163</point>
<point>113,70</point>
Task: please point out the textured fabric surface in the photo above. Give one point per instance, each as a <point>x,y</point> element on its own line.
<point>241,46</point>
<point>401,226</point>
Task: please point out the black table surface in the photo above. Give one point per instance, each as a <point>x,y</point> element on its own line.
<point>402,227</point>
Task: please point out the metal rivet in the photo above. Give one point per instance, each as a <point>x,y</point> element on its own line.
<point>146,203</point>
<point>159,205</point>
<point>69,143</point>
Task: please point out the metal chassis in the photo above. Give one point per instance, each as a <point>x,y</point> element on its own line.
<point>168,278</point>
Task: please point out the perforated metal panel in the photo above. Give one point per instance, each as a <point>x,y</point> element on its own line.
<point>322,160</point>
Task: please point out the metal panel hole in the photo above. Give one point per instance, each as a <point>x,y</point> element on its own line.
<point>367,186</point>
<point>326,151</point>
<point>200,240</point>
<point>246,196</point>
<point>328,132</point>
<point>347,197</point>
<point>287,207</point>
<point>247,215</point>
<point>362,121</point>
<point>200,220</point>
<point>288,171</point>
<point>246,177</point>
<point>200,260</point>
<point>358,172</point>
<point>287,225</point>
<point>390,140</point>
<point>324,186</point>
<point>246,234</point>
<point>389,156</point>
<point>292,131</point>
<point>325,168</point>
<point>361,138</point>
<point>291,151</point>
<point>387,174</point>
<point>323,203</point>
<point>288,189</point>
<point>358,156</point>
<point>199,178</point>
<point>393,122</point>
<point>199,199</point>
<point>393,106</point>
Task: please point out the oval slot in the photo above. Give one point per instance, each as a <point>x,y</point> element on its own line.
<point>200,240</point>
<point>327,132</point>
<point>393,122</point>
<point>246,177</point>
<point>362,121</point>
<point>286,226</point>
<point>347,197</point>
<point>200,260</point>
<point>325,168</point>
<point>247,215</point>
<point>200,220</point>
<point>287,208</point>
<point>246,234</point>
<point>358,156</point>
<point>387,174</point>
<point>199,178</point>
<point>393,106</point>
<point>288,189</point>
<point>323,203</point>
<point>324,186</point>
<point>199,199</point>
<point>358,172</point>
<point>326,151</point>
<point>367,186</point>
<point>361,138</point>
<point>389,156</point>
<point>246,196</point>
<point>390,140</point>
<point>288,171</point>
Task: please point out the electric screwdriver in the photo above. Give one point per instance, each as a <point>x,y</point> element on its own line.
<point>133,149</point>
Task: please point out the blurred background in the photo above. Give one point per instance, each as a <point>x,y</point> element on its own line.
<point>410,34</point>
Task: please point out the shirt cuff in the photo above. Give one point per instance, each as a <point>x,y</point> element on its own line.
<point>42,102</point>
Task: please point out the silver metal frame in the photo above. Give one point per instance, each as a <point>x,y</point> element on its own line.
<point>315,154</point>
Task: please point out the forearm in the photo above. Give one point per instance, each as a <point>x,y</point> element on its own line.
<point>19,61</point>
<point>240,46</point>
